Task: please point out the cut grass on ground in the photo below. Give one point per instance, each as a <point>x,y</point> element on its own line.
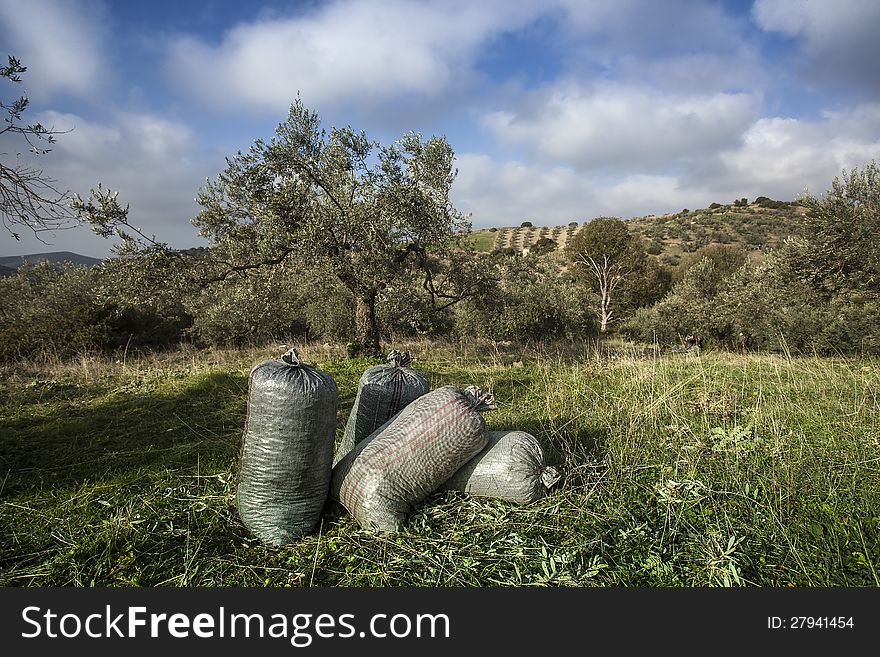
<point>679,471</point>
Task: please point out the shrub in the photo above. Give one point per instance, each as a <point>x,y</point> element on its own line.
<point>531,302</point>
<point>404,310</point>
<point>53,308</point>
<point>543,246</point>
<point>526,224</point>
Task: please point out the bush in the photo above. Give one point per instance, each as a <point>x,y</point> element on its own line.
<point>53,308</point>
<point>404,310</point>
<point>531,302</point>
<point>765,202</point>
<point>543,246</point>
<point>526,224</point>
<point>278,303</point>
<point>688,308</point>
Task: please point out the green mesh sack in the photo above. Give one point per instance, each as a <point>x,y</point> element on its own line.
<point>383,391</point>
<point>382,479</point>
<point>511,467</point>
<point>287,449</point>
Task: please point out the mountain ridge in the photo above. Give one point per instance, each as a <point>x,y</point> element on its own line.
<point>15,261</point>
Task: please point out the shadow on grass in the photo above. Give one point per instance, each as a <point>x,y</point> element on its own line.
<point>178,424</point>
<point>185,424</point>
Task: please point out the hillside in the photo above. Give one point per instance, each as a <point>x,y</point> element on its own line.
<point>14,262</point>
<point>755,226</point>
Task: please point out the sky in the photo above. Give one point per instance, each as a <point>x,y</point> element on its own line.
<point>557,110</point>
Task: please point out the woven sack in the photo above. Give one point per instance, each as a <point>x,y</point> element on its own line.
<point>383,391</point>
<point>287,449</point>
<point>511,467</point>
<point>382,479</point>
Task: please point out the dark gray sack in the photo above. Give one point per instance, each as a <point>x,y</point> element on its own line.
<point>383,391</point>
<point>287,449</point>
<point>382,479</point>
<point>511,467</point>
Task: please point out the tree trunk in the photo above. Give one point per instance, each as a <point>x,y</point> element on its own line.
<point>605,312</point>
<point>365,324</point>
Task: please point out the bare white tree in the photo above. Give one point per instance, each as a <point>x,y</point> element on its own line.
<point>608,276</point>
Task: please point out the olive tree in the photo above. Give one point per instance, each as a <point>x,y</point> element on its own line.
<point>837,252</point>
<point>333,200</point>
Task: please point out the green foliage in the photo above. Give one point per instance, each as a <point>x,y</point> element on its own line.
<point>332,202</point>
<point>727,259</point>
<point>53,309</point>
<point>543,246</point>
<point>776,310</point>
<point>526,224</point>
<point>531,302</point>
<point>252,309</point>
<point>405,311</point>
<point>838,251</point>
<point>766,202</point>
<point>611,261</point>
<point>604,236</point>
<point>687,309</point>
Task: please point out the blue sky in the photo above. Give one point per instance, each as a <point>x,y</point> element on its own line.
<point>558,110</point>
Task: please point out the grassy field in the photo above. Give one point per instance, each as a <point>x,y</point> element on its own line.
<point>482,240</point>
<point>680,470</point>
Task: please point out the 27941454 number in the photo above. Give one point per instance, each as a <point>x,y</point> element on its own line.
<point>810,622</point>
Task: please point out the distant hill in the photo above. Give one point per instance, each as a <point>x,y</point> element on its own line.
<point>756,227</point>
<point>14,262</point>
<point>6,271</point>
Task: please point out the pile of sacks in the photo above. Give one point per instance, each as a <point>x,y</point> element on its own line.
<point>402,442</point>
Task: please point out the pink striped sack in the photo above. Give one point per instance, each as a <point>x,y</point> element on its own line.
<point>382,479</point>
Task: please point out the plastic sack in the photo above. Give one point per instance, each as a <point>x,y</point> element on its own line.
<point>511,467</point>
<point>382,479</point>
<point>287,449</point>
<point>383,391</point>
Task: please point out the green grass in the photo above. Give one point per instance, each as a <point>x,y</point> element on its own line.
<point>684,471</point>
<point>482,240</point>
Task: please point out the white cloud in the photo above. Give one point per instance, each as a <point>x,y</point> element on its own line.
<point>614,125</point>
<point>650,27</point>
<point>508,192</point>
<point>780,157</point>
<point>342,52</point>
<point>155,164</point>
<point>59,42</point>
<point>839,38</point>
